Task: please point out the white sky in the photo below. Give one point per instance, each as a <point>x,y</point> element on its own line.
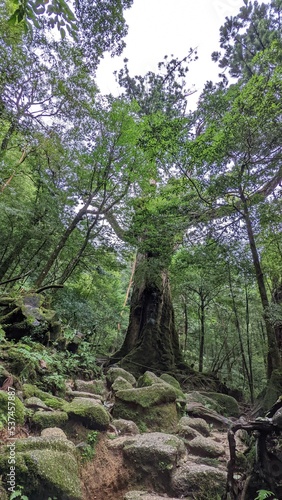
<point>165,27</point>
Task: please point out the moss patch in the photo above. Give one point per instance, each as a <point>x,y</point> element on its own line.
<point>170,380</point>
<point>148,396</point>
<point>115,372</point>
<point>44,419</point>
<point>162,417</point>
<point>11,403</point>
<point>149,378</point>
<point>90,413</point>
<point>228,405</point>
<point>54,402</point>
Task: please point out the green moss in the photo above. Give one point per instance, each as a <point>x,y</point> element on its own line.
<point>9,404</point>
<point>44,419</point>
<point>90,413</point>
<point>149,378</point>
<point>170,380</point>
<point>228,405</point>
<point>115,372</point>
<point>148,396</point>
<point>48,473</point>
<point>161,417</point>
<point>45,443</point>
<point>120,384</point>
<point>54,402</point>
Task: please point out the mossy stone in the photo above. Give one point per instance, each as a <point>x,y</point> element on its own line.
<point>149,378</point>
<point>199,424</point>
<point>53,402</point>
<point>170,380</point>
<point>120,384</point>
<point>228,405</point>
<point>46,468</point>
<point>89,412</point>
<point>44,419</point>
<point>92,386</point>
<point>115,372</point>
<point>48,473</point>
<point>151,407</point>
<point>9,403</point>
<point>148,396</point>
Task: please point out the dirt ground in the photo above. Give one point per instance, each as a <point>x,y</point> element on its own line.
<point>105,477</point>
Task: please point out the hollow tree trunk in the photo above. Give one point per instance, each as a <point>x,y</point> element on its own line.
<point>151,342</point>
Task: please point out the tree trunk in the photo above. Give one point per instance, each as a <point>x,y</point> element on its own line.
<point>273,355</point>
<point>151,342</point>
<point>202,333</point>
<point>61,244</point>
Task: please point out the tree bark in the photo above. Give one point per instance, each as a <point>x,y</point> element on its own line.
<point>273,356</point>
<point>151,341</point>
<point>202,332</point>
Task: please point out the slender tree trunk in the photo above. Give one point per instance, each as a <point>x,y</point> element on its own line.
<point>54,255</point>
<point>273,356</point>
<point>151,342</point>
<point>185,313</point>
<point>75,261</point>
<point>238,327</point>
<point>202,332</point>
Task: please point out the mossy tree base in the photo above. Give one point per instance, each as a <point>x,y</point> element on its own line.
<point>151,341</point>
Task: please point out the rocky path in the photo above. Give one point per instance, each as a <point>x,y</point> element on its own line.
<point>153,441</point>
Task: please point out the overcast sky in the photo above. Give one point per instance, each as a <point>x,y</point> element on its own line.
<point>165,27</point>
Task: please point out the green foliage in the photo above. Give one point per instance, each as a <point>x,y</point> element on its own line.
<point>263,494</point>
<point>88,452</point>
<point>18,493</point>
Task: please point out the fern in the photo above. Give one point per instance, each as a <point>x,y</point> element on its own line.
<point>264,494</point>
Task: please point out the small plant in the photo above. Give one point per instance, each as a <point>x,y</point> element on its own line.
<point>263,494</point>
<point>89,449</point>
<point>163,466</point>
<point>18,493</point>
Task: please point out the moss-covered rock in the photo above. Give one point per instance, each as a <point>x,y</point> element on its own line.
<point>199,424</point>
<point>155,455</point>
<point>53,433</point>
<point>149,378</point>
<point>197,397</point>
<point>9,403</point>
<point>54,402</point>
<point>27,316</point>
<point>93,386</point>
<point>170,380</point>
<point>201,481</point>
<point>148,396</point>
<point>115,372</point>
<point>35,403</point>
<point>125,427</point>
<point>46,467</point>
<point>89,412</point>
<point>120,384</point>
<point>205,447</point>
<point>43,419</point>
<point>228,405</point>
<point>152,407</point>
